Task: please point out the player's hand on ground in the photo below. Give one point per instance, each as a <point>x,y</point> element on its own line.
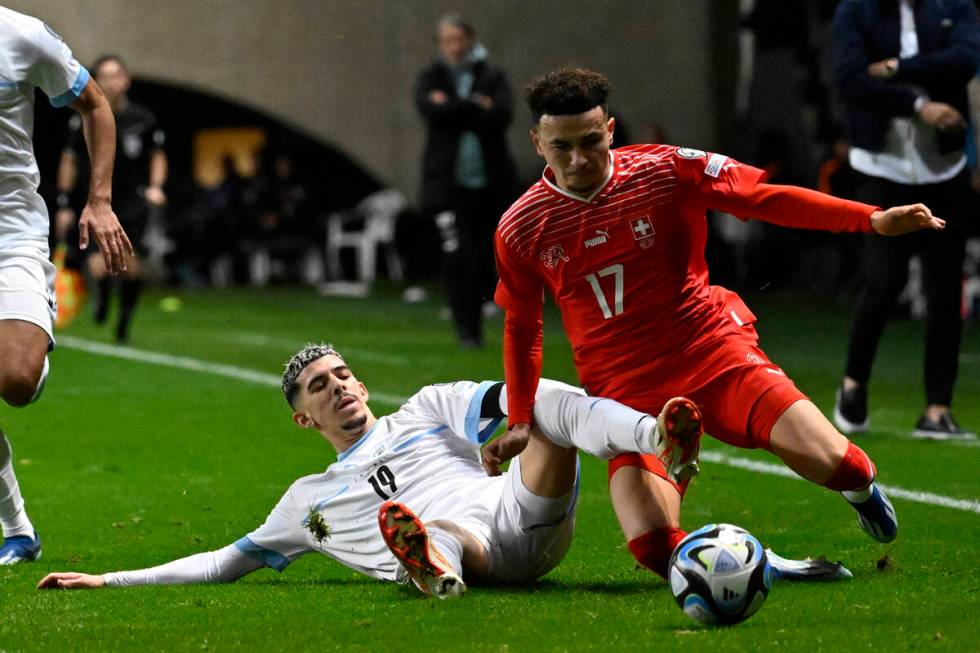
<point>71,581</point>
<point>505,447</point>
<point>900,220</point>
<point>942,116</point>
<point>100,224</point>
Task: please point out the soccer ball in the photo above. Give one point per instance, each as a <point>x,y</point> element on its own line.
<point>719,574</point>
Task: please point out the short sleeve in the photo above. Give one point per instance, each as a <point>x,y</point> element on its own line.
<point>54,70</point>
<point>714,180</point>
<point>517,285</point>
<point>459,406</point>
<point>280,540</point>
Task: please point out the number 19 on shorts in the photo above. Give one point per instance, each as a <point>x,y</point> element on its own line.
<point>615,271</point>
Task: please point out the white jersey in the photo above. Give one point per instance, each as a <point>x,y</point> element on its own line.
<point>32,56</point>
<point>426,455</point>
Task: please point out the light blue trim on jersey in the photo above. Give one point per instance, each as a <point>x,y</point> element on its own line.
<point>319,506</point>
<point>360,441</point>
<point>5,84</point>
<point>74,92</point>
<point>471,423</point>
<point>271,558</point>
<point>416,438</point>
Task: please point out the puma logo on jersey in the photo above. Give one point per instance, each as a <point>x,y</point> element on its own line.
<point>601,238</point>
<point>552,256</point>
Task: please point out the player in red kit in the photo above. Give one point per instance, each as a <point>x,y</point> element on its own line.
<point>617,238</point>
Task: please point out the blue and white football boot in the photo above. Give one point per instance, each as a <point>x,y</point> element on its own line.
<point>875,513</point>
<point>19,549</point>
<point>807,569</point>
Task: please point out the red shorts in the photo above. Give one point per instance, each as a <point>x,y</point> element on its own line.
<point>739,407</point>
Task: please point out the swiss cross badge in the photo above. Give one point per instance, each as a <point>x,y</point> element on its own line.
<point>643,232</point>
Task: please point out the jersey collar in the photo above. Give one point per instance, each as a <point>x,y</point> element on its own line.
<point>548,177</point>
<point>361,440</point>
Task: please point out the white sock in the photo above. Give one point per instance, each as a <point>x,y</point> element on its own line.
<point>13,518</point>
<point>601,427</point>
<point>859,496</point>
<point>448,546</point>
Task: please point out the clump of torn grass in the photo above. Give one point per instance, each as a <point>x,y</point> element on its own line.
<point>317,526</point>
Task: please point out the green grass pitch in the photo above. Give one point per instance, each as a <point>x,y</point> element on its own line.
<point>128,464</point>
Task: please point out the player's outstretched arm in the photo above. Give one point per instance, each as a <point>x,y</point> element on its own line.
<point>900,220</point>
<point>71,580</point>
<point>222,566</point>
<point>98,220</point>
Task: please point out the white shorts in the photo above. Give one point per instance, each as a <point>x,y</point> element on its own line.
<point>27,290</point>
<point>530,534</point>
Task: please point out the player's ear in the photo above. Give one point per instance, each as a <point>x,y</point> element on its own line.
<point>536,140</point>
<point>611,127</point>
<point>302,420</point>
<point>363,389</point>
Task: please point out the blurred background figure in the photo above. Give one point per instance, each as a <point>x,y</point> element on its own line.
<point>902,69</point>
<point>137,186</point>
<point>468,175</point>
<point>280,223</point>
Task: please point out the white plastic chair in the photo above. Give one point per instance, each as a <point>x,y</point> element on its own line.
<point>379,213</point>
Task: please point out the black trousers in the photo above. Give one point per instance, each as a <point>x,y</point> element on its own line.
<point>886,271</point>
<point>470,275</point>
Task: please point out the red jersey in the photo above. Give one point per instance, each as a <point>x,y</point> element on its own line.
<point>626,268</point>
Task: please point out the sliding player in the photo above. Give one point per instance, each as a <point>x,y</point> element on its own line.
<point>407,497</point>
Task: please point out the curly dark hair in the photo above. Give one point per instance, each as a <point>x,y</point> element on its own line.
<point>299,361</point>
<point>567,92</point>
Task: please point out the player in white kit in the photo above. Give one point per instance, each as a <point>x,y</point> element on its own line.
<point>33,56</point>
<point>418,472</point>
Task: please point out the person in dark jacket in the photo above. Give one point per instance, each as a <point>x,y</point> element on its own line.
<point>902,68</point>
<point>468,174</point>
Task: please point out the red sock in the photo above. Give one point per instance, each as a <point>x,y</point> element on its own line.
<point>855,471</point>
<point>653,548</point>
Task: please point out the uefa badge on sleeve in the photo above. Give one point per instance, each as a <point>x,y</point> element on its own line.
<point>643,232</point>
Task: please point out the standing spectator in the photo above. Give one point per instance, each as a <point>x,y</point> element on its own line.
<point>468,175</point>
<point>902,70</point>
<point>141,171</point>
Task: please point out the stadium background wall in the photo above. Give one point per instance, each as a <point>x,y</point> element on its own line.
<point>342,70</point>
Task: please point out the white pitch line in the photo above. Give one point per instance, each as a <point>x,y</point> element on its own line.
<point>892,491</point>
<point>288,344</point>
<point>193,364</point>
<point>261,378</point>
